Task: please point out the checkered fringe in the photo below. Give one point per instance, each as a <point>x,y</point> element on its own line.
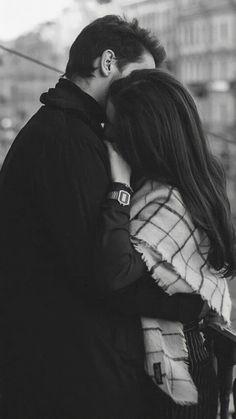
<point>175,252</point>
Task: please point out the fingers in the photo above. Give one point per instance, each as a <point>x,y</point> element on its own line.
<point>111,146</point>
<point>205,310</point>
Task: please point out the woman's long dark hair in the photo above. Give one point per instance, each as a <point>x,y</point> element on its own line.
<point>158,131</point>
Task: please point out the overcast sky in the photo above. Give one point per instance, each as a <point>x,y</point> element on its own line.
<point>18,16</point>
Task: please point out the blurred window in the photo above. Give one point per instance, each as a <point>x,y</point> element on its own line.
<point>191,34</point>
<point>223,114</point>
<point>3,99</point>
<point>197,33</point>
<point>224,31</point>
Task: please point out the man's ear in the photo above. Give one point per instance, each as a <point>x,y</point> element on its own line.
<point>108,59</point>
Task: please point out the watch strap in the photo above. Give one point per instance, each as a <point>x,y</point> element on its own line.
<point>117,186</point>
<point>121,196</point>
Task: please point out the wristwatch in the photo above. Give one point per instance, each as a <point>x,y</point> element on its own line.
<point>122,196</point>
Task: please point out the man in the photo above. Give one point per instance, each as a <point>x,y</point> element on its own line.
<point>65,353</point>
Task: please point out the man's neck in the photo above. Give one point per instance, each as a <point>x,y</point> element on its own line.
<point>90,86</point>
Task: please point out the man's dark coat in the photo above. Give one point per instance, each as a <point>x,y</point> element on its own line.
<point>63,354</point>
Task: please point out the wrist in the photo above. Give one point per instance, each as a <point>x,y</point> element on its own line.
<point>121,179</point>
<point>117,186</point>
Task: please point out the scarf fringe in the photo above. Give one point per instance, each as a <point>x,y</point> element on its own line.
<point>144,249</point>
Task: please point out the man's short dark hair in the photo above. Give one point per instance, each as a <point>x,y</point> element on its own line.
<point>127,40</point>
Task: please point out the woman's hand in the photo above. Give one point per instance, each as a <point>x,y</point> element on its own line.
<point>214,318</point>
<point>120,170</point>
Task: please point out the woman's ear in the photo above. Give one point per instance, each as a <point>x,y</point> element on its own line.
<point>107,63</point>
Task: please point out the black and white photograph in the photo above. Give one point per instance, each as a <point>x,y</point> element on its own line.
<point>117,209</point>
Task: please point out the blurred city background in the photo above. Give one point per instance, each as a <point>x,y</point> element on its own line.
<point>200,41</point>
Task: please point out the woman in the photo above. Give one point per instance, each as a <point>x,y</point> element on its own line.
<point>180,227</point>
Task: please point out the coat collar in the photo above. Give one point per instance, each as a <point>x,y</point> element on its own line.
<point>67,95</point>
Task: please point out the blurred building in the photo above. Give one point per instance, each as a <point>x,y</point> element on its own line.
<point>160,17</point>
<point>6,123</point>
<point>207,59</point>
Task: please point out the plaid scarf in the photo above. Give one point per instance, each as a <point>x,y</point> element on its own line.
<point>175,252</point>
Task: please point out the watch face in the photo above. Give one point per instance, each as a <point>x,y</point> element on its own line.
<point>124,198</point>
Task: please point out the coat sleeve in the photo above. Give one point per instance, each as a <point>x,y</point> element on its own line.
<point>117,264</point>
